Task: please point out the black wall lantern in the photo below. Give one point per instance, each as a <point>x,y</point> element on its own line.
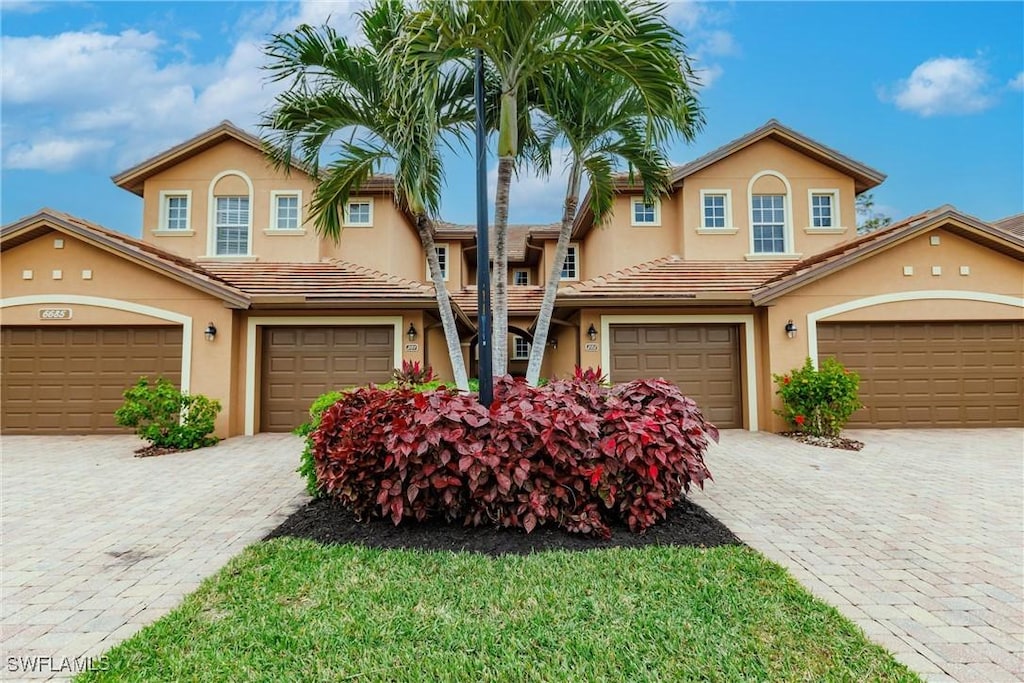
<point>411,334</point>
<point>210,332</point>
<point>592,332</point>
<point>553,343</point>
<point>790,329</point>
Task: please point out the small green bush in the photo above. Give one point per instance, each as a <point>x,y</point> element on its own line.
<point>167,418</point>
<point>307,467</point>
<point>818,401</point>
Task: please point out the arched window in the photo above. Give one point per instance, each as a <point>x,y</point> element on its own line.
<point>770,202</point>
<point>230,222</point>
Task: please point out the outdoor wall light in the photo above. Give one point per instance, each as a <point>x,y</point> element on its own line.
<point>411,334</point>
<point>592,332</point>
<point>790,329</point>
<point>553,343</point>
<point>210,332</point>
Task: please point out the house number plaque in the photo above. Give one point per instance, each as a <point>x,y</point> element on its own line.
<point>55,314</point>
<point>592,346</point>
<point>412,347</point>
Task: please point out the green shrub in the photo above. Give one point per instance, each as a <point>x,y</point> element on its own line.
<point>307,467</point>
<point>167,418</point>
<point>818,401</point>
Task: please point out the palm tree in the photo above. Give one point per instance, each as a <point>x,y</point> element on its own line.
<point>522,40</point>
<point>601,120</point>
<point>380,112</point>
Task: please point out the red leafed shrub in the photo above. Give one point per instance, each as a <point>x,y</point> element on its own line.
<point>574,453</point>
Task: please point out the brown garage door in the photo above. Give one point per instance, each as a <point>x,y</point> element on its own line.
<point>704,360</point>
<point>70,380</point>
<point>937,374</point>
<point>301,363</point>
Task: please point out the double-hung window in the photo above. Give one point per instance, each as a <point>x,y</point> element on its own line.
<point>232,226</point>
<point>714,211</point>
<point>286,212</point>
<point>823,210</point>
<point>645,212</point>
<point>520,277</point>
<point>176,212</point>
<point>570,268</point>
<point>769,223</point>
<point>520,349</point>
<point>442,261</point>
<point>359,213</point>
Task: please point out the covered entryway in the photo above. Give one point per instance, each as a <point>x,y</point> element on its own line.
<point>703,359</point>
<point>932,374</point>
<point>70,380</point>
<point>301,363</point>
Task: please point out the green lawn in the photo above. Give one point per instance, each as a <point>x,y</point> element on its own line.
<point>290,610</point>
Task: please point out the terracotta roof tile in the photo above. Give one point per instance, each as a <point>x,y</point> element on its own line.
<point>518,235</point>
<point>1011,224</point>
<point>522,300</point>
<point>671,276</point>
<point>333,280</point>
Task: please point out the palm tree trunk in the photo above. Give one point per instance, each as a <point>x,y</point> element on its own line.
<point>444,306</point>
<point>547,306</point>
<point>499,278</point>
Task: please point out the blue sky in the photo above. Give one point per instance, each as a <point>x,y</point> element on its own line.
<point>928,93</point>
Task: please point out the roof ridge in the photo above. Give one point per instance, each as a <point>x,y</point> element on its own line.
<point>387,277</point>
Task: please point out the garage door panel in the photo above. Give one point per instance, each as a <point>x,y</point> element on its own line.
<point>702,359</point>
<point>932,374</point>
<point>70,380</point>
<point>301,363</point>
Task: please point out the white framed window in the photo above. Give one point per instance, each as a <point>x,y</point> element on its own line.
<point>520,349</point>
<point>285,210</point>
<point>520,277</point>
<point>571,265</point>
<point>823,211</point>
<point>442,261</point>
<point>716,210</point>
<point>645,213</point>
<point>231,226</point>
<point>359,213</point>
<point>175,210</point>
<point>768,223</point>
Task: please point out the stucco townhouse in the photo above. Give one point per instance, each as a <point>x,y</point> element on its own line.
<point>748,266</point>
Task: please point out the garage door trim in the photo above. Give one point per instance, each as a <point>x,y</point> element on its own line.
<point>814,317</point>
<point>119,305</point>
<point>318,321</point>
<point>747,322</point>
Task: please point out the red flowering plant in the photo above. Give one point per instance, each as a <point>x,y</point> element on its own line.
<point>818,401</point>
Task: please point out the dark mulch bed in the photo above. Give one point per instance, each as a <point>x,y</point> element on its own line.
<point>151,451</point>
<point>840,442</point>
<point>326,521</point>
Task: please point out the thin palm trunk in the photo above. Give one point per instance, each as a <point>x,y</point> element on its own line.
<point>547,306</point>
<point>444,306</point>
<point>499,278</point>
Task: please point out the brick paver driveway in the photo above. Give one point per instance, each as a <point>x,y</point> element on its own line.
<point>919,538</point>
<point>97,543</point>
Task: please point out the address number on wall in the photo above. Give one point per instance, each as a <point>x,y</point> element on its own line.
<point>590,347</point>
<point>55,314</point>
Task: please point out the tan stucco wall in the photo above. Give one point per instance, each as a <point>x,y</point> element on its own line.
<point>119,280</point>
<point>990,273</point>
<point>735,172</point>
<point>617,244</point>
<point>196,174</point>
<point>391,245</point>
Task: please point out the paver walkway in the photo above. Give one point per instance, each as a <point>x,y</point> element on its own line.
<point>919,538</point>
<point>97,543</point>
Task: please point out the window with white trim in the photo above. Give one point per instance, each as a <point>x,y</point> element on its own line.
<point>570,267</point>
<point>715,210</point>
<point>520,277</point>
<point>768,213</point>
<point>231,226</point>
<point>359,213</point>
<point>520,349</point>
<point>823,210</point>
<point>175,212</point>
<point>645,212</point>
<point>286,211</point>
<point>442,261</point>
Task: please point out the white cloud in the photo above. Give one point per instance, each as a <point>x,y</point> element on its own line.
<point>706,42</point>
<point>1017,83</point>
<point>534,197</point>
<point>54,154</point>
<point>721,44</point>
<point>944,85</point>
<point>22,6</point>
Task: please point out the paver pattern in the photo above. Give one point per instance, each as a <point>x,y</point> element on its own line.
<point>98,543</point>
<point>919,538</point>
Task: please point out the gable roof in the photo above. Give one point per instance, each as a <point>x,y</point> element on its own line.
<point>864,177</point>
<point>134,178</point>
<point>517,240</point>
<point>176,267</point>
<point>333,281</point>
<point>672,277</point>
<point>1012,224</point>
<point>852,251</point>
